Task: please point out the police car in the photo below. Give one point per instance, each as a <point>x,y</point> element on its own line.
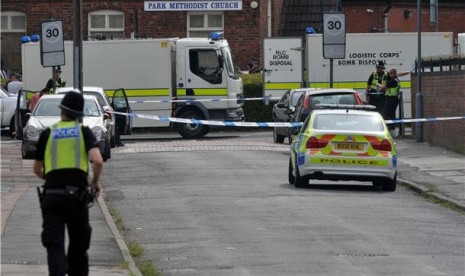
<point>343,142</point>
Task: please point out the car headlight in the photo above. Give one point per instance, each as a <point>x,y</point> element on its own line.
<point>98,132</point>
<point>32,133</point>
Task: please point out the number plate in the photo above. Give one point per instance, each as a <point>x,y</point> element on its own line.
<point>350,146</point>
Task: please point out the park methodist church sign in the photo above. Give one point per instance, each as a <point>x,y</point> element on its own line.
<point>219,5</point>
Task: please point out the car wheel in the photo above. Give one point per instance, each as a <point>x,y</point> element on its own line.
<point>299,181</point>
<point>277,138</point>
<point>389,185</point>
<point>291,175</point>
<point>26,154</point>
<point>192,131</point>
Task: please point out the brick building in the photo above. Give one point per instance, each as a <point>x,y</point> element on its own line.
<point>244,22</point>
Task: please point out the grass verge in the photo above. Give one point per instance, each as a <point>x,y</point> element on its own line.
<point>136,250</point>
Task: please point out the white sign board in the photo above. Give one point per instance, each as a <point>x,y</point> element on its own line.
<point>282,65</point>
<point>235,5</point>
<point>52,45</point>
<point>334,35</point>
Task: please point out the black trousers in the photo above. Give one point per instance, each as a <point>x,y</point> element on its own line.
<point>59,211</point>
<point>376,100</point>
<point>389,109</point>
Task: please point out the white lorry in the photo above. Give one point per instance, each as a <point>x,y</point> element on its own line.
<point>153,73</point>
<point>363,50</point>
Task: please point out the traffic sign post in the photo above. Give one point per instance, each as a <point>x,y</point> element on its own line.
<point>334,39</point>
<point>52,47</point>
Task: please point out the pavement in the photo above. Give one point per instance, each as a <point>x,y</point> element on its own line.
<point>428,170</point>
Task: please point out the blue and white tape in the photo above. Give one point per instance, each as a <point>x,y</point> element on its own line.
<point>263,124</point>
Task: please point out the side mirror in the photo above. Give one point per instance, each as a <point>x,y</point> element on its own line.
<point>280,105</point>
<point>106,116</point>
<point>288,111</point>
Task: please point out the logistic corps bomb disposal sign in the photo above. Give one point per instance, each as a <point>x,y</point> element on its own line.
<point>358,58</point>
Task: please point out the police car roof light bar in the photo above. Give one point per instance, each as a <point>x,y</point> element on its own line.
<point>346,106</point>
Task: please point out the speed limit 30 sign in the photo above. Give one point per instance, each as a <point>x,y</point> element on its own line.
<point>52,45</point>
<point>334,35</point>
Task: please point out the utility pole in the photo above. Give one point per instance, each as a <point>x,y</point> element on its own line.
<point>77,45</point>
<point>419,96</point>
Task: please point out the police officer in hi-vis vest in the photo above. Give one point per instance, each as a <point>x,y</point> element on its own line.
<point>62,159</point>
<point>56,81</point>
<point>375,93</point>
<point>391,97</point>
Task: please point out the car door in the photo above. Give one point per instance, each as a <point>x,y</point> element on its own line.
<point>119,103</point>
<point>279,109</point>
<point>22,111</point>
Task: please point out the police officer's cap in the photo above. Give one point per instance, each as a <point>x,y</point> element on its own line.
<point>73,104</point>
<point>380,64</point>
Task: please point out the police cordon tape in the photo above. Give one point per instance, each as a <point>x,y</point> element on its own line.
<point>263,124</point>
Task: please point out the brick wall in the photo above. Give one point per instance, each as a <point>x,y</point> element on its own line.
<point>443,96</point>
<point>358,20</point>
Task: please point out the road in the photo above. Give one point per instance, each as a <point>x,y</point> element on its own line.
<point>222,206</point>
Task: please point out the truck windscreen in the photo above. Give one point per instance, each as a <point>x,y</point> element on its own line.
<point>228,63</point>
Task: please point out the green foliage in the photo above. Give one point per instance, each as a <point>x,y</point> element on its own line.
<point>255,111</point>
<point>147,269</point>
<point>135,249</point>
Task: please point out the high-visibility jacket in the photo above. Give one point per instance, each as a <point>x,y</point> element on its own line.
<point>374,82</point>
<point>65,148</point>
<point>57,83</point>
<point>393,91</point>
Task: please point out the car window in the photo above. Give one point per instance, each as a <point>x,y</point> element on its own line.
<point>295,97</point>
<point>91,108</point>
<point>285,98</point>
<point>333,99</point>
<point>299,105</point>
<point>47,107</point>
<point>50,107</point>
<point>350,122</point>
<point>101,100</point>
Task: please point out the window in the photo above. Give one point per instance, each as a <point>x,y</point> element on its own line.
<point>106,24</point>
<point>202,24</point>
<point>13,22</point>
<point>206,64</point>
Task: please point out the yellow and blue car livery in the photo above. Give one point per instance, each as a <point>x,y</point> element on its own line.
<point>353,145</point>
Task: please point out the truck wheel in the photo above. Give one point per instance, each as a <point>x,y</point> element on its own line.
<point>291,176</point>
<point>278,138</point>
<point>192,131</point>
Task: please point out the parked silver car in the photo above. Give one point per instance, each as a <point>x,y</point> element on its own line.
<point>103,101</point>
<point>7,109</point>
<point>47,112</point>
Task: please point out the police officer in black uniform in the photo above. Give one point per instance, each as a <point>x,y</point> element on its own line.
<point>62,159</point>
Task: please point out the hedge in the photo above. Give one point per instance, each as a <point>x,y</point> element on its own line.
<point>255,111</point>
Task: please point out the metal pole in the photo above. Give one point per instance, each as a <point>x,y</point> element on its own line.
<point>77,45</point>
<point>330,73</point>
<point>419,96</point>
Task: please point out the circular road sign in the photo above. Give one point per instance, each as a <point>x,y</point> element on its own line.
<point>334,28</point>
